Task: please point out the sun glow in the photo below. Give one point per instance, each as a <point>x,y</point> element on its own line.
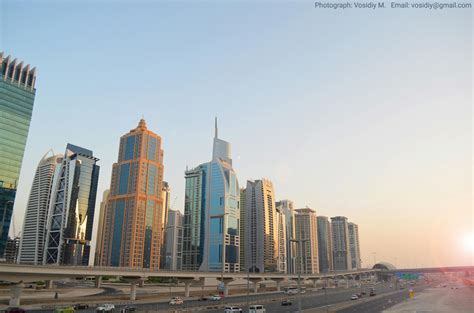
<point>469,242</point>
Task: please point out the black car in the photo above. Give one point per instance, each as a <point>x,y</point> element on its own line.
<point>372,293</point>
<point>81,306</point>
<point>129,308</point>
<point>286,302</point>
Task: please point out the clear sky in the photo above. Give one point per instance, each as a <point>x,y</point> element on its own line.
<point>361,113</point>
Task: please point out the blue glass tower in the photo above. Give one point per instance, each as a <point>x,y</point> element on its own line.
<point>17,96</point>
<point>211,218</point>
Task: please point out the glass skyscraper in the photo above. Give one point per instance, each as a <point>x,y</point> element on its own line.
<point>133,230</point>
<point>71,208</point>
<point>211,215</point>
<point>17,95</point>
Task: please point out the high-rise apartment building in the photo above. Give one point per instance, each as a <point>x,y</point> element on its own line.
<point>306,229</point>
<point>34,226</point>
<point>100,227</point>
<point>324,244</point>
<point>281,234</point>
<point>211,214</point>
<point>261,231</point>
<point>242,230</point>
<point>134,212</point>
<point>173,241</point>
<point>340,243</point>
<point>17,96</point>
<point>71,208</point>
<point>165,195</point>
<point>354,246</point>
<point>193,219</point>
<point>11,250</point>
<point>286,207</point>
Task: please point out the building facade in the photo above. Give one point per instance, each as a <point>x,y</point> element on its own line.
<point>134,212</point>
<point>286,207</point>
<point>281,234</point>
<point>33,236</point>
<point>211,239</point>
<point>354,246</point>
<point>165,195</point>
<point>100,227</point>
<point>261,231</point>
<point>306,229</point>
<point>242,230</point>
<point>173,241</point>
<point>193,219</point>
<point>71,208</point>
<point>340,243</point>
<point>17,96</point>
<point>324,244</point>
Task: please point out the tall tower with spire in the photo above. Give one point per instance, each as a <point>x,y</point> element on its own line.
<point>211,213</point>
<point>133,230</point>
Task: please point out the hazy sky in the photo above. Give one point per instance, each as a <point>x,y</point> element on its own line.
<point>361,113</point>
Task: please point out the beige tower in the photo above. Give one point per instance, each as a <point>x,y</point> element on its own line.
<point>307,233</point>
<point>261,227</point>
<point>133,227</point>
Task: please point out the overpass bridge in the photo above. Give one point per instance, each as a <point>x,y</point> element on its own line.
<point>18,274</point>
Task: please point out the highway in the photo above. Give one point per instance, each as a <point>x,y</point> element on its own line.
<point>272,301</point>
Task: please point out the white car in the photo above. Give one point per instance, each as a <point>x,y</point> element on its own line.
<point>105,308</point>
<point>215,298</point>
<point>257,308</point>
<point>354,297</point>
<point>232,309</point>
<point>176,301</point>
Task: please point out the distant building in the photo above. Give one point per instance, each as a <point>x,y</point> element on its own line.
<point>71,208</point>
<point>100,227</point>
<point>133,227</point>
<point>306,228</point>
<point>242,230</point>
<point>193,219</point>
<point>173,241</point>
<point>211,214</point>
<point>340,243</point>
<point>261,227</point>
<point>354,245</point>
<point>286,208</point>
<point>281,234</point>
<point>324,244</point>
<point>165,195</point>
<point>33,237</point>
<point>17,95</point>
<point>11,250</point>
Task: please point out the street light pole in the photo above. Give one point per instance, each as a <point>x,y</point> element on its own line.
<point>300,242</point>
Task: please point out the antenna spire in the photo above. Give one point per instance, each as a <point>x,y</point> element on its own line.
<point>215,128</point>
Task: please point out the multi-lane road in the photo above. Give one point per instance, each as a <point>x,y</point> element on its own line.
<point>272,301</point>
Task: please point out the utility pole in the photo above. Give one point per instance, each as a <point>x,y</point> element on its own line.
<point>300,242</point>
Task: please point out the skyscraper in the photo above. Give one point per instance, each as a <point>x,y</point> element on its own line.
<point>340,243</point>
<point>286,207</point>
<point>261,227</point>
<point>165,195</point>
<point>211,213</point>
<point>306,228</point>
<point>193,219</point>
<point>173,241</point>
<point>71,208</point>
<point>100,227</point>
<point>281,234</point>
<point>354,246</point>
<point>324,244</point>
<point>17,96</point>
<point>242,230</point>
<point>34,227</point>
<point>134,212</point>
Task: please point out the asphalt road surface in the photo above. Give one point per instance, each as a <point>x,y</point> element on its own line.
<point>272,301</point>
